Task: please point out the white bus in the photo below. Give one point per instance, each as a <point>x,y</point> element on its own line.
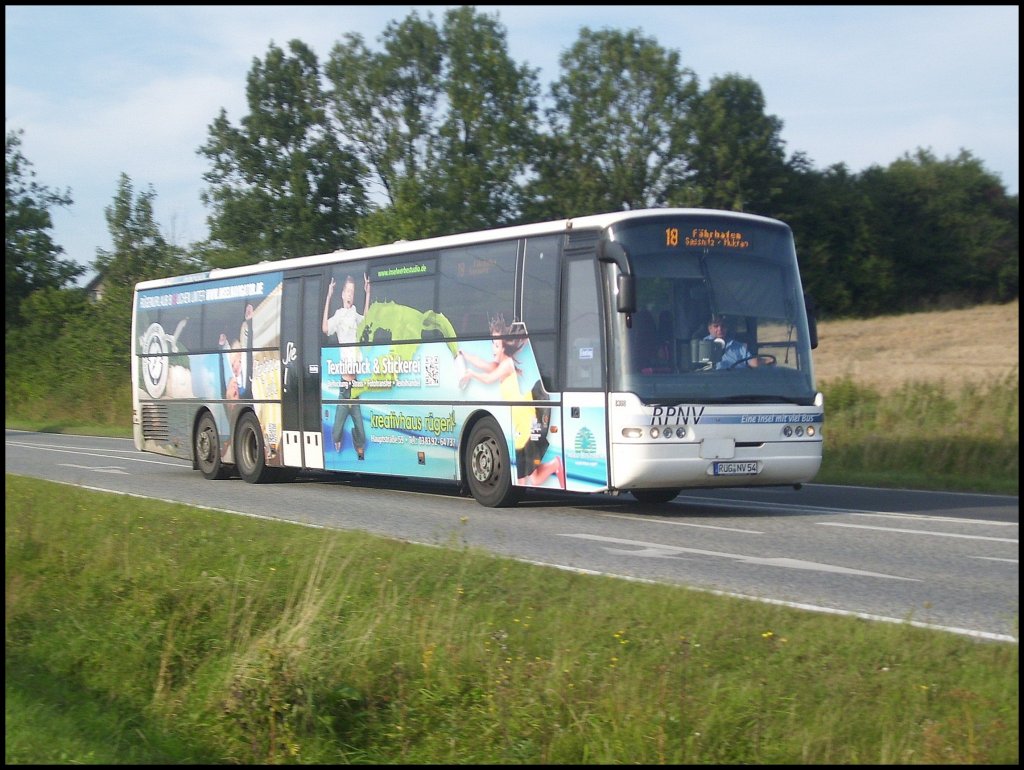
<point>577,354</point>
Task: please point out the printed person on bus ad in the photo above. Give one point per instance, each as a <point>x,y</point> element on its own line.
<point>238,361</point>
<point>529,423</point>
<point>343,324</point>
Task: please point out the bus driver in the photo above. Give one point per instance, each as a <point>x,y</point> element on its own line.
<point>735,354</point>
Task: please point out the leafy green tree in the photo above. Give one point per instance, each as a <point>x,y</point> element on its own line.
<point>386,105</point>
<point>139,250</point>
<point>280,185</point>
<point>443,118</point>
<point>32,258</point>
<point>840,263</point>
<point>617,136</point>
<point>94,337</point>
<point>34,371</point>
<point>71,361</point>
<point>947,227</point>
<point>735,151</point>
<point>489,132</point>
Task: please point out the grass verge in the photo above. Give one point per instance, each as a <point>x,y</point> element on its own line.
<point>154,632</point>
<point>923,436</point>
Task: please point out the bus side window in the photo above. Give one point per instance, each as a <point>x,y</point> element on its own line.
<point>540,302</point>
<point>476,283</point>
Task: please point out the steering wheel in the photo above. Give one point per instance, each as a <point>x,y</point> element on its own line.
<point>771,362</point>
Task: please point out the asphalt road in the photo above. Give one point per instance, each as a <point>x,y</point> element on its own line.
<point>936,559</point>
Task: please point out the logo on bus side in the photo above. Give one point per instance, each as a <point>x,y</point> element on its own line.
<point>155,346</point>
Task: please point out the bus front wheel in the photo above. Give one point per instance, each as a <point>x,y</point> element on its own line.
<point>206,447</point>
<point>249,455</point>
<point>488,468</point>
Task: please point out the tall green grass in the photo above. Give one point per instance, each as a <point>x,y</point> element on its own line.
<point>177,635</point>
<point>923,436</point>
<point>95,407</point>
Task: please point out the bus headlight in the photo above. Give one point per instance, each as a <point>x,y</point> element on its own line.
<point>632,432</point>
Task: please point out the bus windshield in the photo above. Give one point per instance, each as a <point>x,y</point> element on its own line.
<point>720,315</point>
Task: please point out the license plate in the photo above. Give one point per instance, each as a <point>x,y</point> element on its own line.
<point>751,468</point>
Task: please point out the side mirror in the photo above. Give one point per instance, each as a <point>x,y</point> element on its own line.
<point>615,253</point>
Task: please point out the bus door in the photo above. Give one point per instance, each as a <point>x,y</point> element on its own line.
<point>584,401</point>
<point>301,413</point>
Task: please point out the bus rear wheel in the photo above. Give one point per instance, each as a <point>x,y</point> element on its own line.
<point>653,496</point>
<point>249,454</point>
<point>206,449</point>
<point>488,467</point>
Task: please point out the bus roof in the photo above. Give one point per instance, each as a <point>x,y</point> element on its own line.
<point>588,222</point>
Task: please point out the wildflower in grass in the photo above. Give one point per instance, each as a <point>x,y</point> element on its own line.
<point>767,635</point>
<point>428,656</point>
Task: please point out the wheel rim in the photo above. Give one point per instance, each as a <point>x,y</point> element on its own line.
<point>248,449</point>
<point>204,446</point>
<point>484,461</point>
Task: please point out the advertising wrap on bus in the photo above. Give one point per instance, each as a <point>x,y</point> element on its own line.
<point>641,352</point>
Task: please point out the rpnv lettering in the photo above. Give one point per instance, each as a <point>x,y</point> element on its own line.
<point>676,415</point>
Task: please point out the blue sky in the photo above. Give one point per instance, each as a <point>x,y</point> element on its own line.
<point>101,90</point>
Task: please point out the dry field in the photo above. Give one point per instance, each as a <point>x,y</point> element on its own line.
<point>954,347</point>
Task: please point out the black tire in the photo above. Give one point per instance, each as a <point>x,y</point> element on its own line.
<point>206,449</point>
<point>488,468</point>
<point>653,496</point>
<point>250,458</point>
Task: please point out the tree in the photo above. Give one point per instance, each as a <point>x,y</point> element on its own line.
<point>489,132</point>
<point>32,258</point>
<point>735,151</point>
<point>443,118</point>
<point>140,252</point>
<point>840,261</point>
<point>281,185</point>
<point>948,228</point>
<point>386,105</point>
<point>616,135</point>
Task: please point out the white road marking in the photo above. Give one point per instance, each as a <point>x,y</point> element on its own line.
<point>97,453</point>
<point>658,550</point>
<point>108,469</point>
<point>647,519</point>
<point>919,532</point>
